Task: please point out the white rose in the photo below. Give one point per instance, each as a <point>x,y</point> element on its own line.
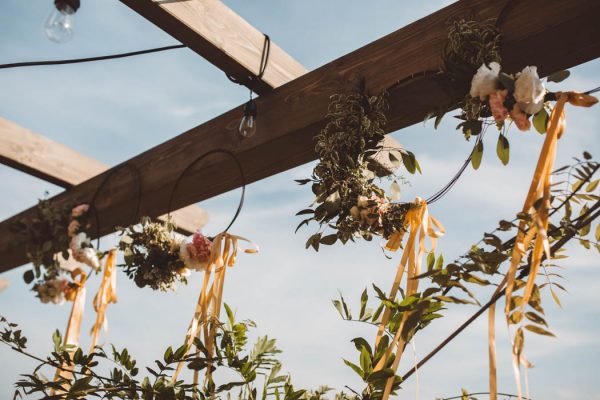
<point>529,91</point>
<point>90,257</point>
<point>485,81</point>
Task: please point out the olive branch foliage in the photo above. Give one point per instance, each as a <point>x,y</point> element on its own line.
<point>576,197</point>
<point>257,371</point>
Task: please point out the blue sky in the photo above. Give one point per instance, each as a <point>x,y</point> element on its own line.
<point>116,109</point>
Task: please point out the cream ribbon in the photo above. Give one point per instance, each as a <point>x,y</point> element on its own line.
<point>539,190</point>
<point>73,332</point>
<point>420,225</point>
<point>204,323</point>
<point>107,294</point>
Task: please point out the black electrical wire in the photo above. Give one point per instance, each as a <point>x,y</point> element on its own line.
<point>90,59</point>
<point>264,59</point>
<point>238,164</point>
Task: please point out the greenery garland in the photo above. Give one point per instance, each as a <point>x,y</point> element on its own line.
<point>350,148</point>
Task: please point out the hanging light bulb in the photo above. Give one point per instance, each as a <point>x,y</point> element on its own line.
<point>247,127</point>
<point>59,25</point>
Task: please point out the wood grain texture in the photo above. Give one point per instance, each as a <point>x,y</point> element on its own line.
<point>551,34</point>
<point>222,37</point>
<point>46,159</point>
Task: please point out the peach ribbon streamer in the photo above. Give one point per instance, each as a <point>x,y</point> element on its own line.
<point>208,308</point>
<point>73,332</point>
<point>539,191</point>
<point>420,225</point>
<point>107,294</point>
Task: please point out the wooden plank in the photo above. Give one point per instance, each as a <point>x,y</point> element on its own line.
<point>536,32</point>
<point>46,159</point>
<point>225,39</point>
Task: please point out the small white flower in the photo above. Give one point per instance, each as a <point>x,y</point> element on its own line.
<point>82,252</point>
<point>485,81</point>
<point>529,91</point>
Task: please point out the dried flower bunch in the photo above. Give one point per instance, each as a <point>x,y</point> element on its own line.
<point>52,237</point>
<point>155,257</point>
<point>347,198</point>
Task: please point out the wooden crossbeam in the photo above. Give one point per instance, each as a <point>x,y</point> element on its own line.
<point>218,34</point>
<point>551,34</point>
<point>46,159</point>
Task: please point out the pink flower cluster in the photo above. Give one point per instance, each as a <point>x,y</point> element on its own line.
<point>500,112</point>
<point>197,253</point>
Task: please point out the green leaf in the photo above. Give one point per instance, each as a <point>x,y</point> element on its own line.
<point>538,330</point>
<point>477,155</point>
<point>365,359</point>
<point>364,297</point>
<point>355,368</point>
<point>592,186</point>
<point>438,119</point>
<point>558,76</point>
<point>540,120</point>
<point>230,315</point>
<point>503,149</point>
<point>306,211</point>
<point>536,318</point>
<point>57,340</point>
<point>329,239</point>
<point>430,261</point>
<point>555,297</point>
<point>440,262</point>
<point>338,306</point>
<point>408,159</point>
<point>28,276</point>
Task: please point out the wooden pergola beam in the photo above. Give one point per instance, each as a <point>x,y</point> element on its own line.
<point>551,34</point>
<point>48,160</point>
<point>222,37</point>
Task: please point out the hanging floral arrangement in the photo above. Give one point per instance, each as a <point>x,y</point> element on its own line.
<point>55,238</point>
<point>352,159</point>
<point>152,255</point>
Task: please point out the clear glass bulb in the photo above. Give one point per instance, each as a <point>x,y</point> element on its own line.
<point>59,25</point>
<point>247,127</point>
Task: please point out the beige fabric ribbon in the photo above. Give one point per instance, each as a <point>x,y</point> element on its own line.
<point>533,233</point>
<point>420,225</point>
<point>208,308</point>
<point>107,294</point>
<point>73,332</point>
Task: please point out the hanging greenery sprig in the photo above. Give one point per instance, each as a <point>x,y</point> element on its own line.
<point>351,150</point>
<point>54,238</point>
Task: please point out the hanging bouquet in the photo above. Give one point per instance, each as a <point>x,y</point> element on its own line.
<point>154,256</point>
<point>351,151</point>
<point>53,238</point>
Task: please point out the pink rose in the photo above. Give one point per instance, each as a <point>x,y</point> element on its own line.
<point>73,228</point>
<point>520,118</point>
<point>79,210</point>
<point>202,247</point>
<point>497,105</point>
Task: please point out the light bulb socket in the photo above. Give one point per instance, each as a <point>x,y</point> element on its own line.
<point>250,109</point>
<point>67,6</point>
